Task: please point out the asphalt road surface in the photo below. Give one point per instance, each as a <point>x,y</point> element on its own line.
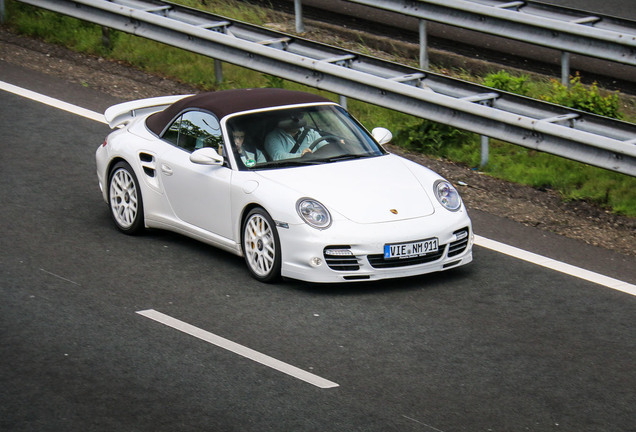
<point>499,345</point>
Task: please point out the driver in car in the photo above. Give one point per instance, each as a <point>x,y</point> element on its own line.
<point>291,138</point>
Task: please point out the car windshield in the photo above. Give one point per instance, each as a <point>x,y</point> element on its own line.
<point>298,136</point>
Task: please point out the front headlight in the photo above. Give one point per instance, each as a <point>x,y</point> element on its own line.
<point>447,195</point>
<point>313,213</point>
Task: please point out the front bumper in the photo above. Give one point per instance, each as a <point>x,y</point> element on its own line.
<point>360,249</point>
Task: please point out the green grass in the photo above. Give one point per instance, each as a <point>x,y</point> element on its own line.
<point>575,181</point>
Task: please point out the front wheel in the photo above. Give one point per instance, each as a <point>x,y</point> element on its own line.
<point>261,246</point>
<point>124,199</point>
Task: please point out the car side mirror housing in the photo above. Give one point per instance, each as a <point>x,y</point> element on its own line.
<point>206,156</point>
<point>382,135</point>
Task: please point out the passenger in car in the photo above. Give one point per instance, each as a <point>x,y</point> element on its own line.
<point>248,154</point>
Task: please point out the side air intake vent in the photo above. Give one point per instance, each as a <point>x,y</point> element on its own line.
<point>459,245</point>
<point>148,164</point>
<point>340,258</point>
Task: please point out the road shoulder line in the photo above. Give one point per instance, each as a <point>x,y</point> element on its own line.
<point>553,264</point>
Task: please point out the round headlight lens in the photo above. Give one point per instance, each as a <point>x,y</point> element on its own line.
<point>313,213</point>
<point>447,195</point>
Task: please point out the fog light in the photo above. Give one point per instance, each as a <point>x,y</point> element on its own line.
<point>315,261</point>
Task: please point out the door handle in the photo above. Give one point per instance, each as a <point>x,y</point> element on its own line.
<point>166,169</point>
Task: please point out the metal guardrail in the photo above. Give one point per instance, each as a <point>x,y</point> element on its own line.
<point>568,30</point>
<point>587,138</point>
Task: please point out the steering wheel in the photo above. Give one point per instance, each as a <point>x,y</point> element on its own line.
<point>333,138</point>
<point>317,141</point>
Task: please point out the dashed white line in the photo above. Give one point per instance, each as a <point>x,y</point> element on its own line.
<point>238,349</point>
<point>479,241</point>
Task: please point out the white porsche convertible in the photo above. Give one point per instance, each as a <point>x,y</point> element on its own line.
<point>286,179</point>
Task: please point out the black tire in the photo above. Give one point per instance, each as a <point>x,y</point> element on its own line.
<point>261,246</point>
<point>124,199</point>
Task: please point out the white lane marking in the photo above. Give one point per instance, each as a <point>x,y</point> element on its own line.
<point>556,265</point>
<point>59,277</point>
<point>56,103</point>
<point>423,424</point>
<point>238,349</point>
<point>479,241</point>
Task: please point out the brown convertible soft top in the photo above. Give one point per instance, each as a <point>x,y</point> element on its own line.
<point>223,103</point>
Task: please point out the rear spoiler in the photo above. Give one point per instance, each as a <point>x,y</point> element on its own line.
<point>122,113</point>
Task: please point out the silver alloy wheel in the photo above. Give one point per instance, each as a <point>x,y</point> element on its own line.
<point>124,202</point>
<point>259,245</point>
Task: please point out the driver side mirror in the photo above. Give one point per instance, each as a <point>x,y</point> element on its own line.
<point>382,135</point>
<point>206,156</point>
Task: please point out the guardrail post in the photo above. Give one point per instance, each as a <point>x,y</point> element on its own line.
<point>423,45</point>
<point>565,68</point>
<point>485,99</point>
<point>342,100</point>
<point>298,11</point>
<point>484,151</point>
<point>106,37</point>
<point>218,71</point>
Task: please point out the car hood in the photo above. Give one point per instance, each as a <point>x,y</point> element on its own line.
<point>371,190</point>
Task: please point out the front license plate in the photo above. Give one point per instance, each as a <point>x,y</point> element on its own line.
<point>409,250</point>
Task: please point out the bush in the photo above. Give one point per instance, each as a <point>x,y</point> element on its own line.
<point>502,80</point>
<point>586,99</point>
<point>431,138</point>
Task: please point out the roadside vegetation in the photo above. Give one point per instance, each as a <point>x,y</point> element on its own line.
<point>573,180</point>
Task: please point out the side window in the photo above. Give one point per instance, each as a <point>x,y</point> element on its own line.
<point>194,130</point>
<point>172,134</point>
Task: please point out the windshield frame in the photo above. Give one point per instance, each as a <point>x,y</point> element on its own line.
<point>349,139</point>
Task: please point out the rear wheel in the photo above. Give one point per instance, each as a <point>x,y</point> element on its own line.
<point>261,246</point>
<point>124,199</point>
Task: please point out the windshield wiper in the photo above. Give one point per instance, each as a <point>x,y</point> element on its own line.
<point>346,157</point>
<point>288,163</point>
